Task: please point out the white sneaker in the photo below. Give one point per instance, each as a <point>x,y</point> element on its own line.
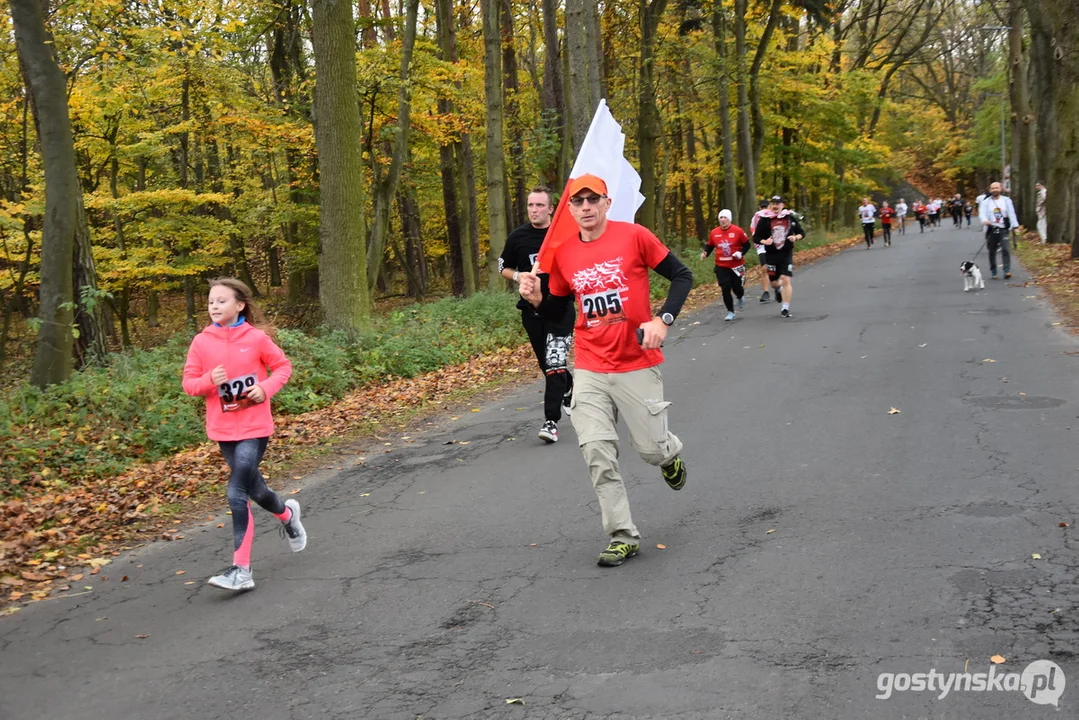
<point>730,316</point>
<point>549,432</point>
<point>293,529</point>
<point>235,578</point>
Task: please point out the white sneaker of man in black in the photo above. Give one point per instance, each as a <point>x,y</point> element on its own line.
<point>549,432</point>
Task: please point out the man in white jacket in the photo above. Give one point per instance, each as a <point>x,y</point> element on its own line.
<point>998,218</point>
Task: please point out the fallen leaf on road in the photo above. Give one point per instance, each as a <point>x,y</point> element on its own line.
<point>989,360</point>
<point>189,582</point>
<point>293,492</point>
<point>1036,556</point>
<point>365,494</point>
<point>864,357</point>
<point>532,545</point>
<point>661,546</point>
<point>13,581</point>
<point>297,477</point>
<point>123,579</point>
<point>1063,525</point>
<point>181,572</point>
<point>77,577</point>
<point>997,659</point>
<point>514,701</point>
<point>220,525</point>
<point>1004,379</point>
<point>894,411</point>
<point>464,442</point>
<point>770,531</point>
<point>475,409</point>
<point>142,637</point>
<point>421,492</point>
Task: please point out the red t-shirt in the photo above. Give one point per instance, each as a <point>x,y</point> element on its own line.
<point>608,278</point>
<point>727,242</point>
<point>886,215</point>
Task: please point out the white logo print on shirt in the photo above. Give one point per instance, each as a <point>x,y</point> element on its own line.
<point>603,292</point>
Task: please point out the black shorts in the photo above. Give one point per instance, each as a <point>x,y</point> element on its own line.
<point>728,276</point>
<point>779,262</point>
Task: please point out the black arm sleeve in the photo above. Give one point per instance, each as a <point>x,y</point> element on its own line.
<point>759,232</point>
<point>708,250</point>
<point>796,228</point>
<point>745,246</point>
<point>509,253</point>
<point>552,307</point>
<point>681,278</point>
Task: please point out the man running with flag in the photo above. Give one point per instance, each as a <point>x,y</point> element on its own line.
<point>603,268</point>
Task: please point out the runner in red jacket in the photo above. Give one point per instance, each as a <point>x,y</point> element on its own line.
<point>886,214</point>
<point>730,244</point>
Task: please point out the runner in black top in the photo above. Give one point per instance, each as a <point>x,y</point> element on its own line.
<point>550,339</point>
<point>777,231</point>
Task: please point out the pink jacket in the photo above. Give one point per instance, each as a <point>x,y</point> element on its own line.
<point>245,351</point>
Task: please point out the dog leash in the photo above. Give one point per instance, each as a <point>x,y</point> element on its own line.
<point>980,249</point>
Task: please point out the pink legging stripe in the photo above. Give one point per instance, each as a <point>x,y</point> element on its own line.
<point>242,555</point>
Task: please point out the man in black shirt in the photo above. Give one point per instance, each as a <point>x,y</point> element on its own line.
<point>550,339</point>
<point>777,231</point>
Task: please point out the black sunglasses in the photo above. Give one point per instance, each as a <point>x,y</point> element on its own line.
<point>592,200</point>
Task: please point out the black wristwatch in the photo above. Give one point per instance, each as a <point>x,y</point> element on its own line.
<point>667,319</point>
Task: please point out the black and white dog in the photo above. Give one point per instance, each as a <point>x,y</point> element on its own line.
<point>972,276</point>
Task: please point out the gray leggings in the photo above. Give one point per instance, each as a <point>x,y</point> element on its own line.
<point>243,457</point>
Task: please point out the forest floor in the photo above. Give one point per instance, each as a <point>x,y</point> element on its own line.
<point>155,501</point>
<point>1052,266</point>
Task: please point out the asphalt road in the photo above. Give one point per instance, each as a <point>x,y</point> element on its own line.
<point>819,542</point>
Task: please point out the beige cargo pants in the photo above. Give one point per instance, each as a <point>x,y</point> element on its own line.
<point>598,400</point>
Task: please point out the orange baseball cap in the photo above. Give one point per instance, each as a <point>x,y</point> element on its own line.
<point>586,182</point>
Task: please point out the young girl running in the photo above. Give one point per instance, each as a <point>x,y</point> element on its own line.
<point>227,363</point>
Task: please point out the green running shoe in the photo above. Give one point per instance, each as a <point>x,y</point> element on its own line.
<point>675,474</point>
<point>617,552</point>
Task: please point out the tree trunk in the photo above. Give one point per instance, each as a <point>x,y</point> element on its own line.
<point>745,143</point>
<point>695,184</point>
<point>553,100</point>
<point>1022,121</point>
<point>516,192</point>
<point>415,261</point>
<point>583,63</point>
<point>343,287</point>
<point>386,188</point>
<point>754,81</point>
<point>648,120</point>
<point>454,188</point>
<point>496,168</point>
<point>91,317</point>
<point>46,84</point>
<point>730,187</point>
